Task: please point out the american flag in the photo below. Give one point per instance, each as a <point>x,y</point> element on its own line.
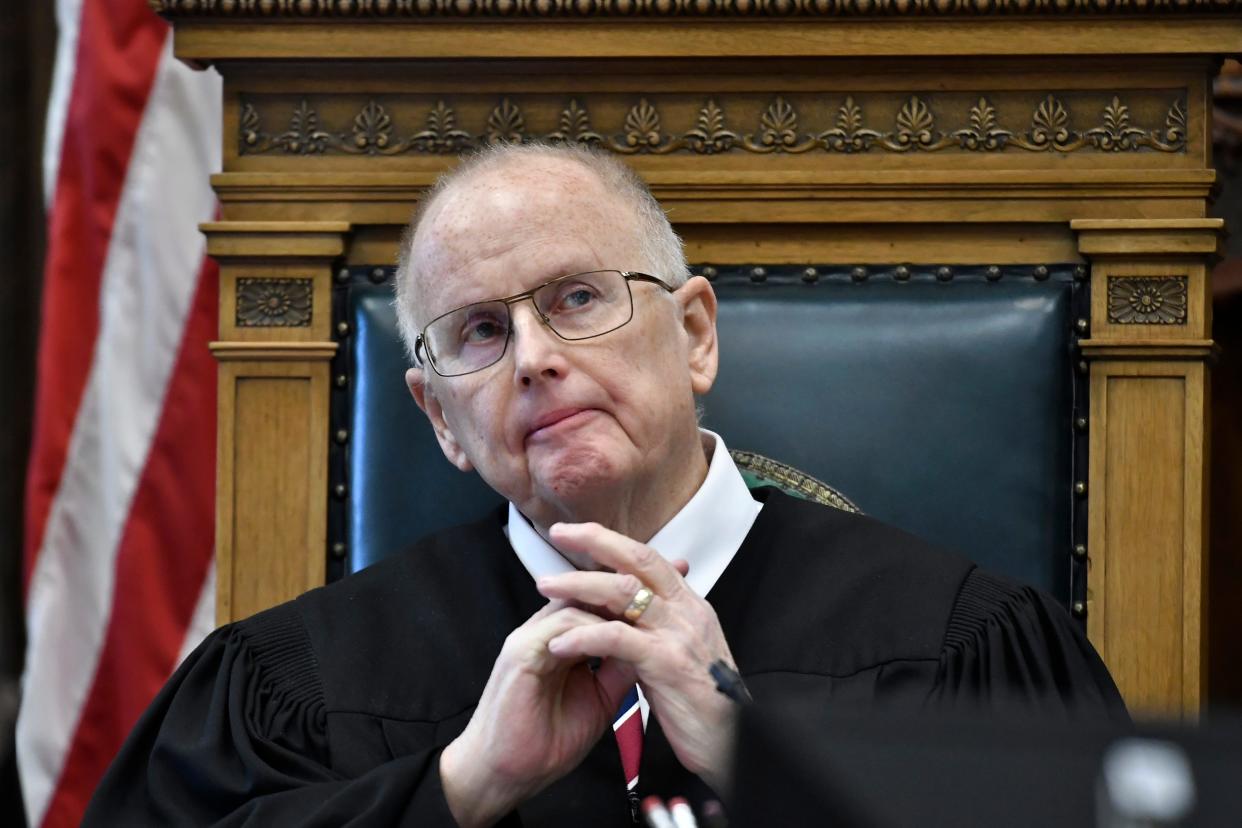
<point>120,492</point>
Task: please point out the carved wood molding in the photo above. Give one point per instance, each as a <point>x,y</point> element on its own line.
<point>973,125</point>
<point>662,9</point>
<point>273,351</point>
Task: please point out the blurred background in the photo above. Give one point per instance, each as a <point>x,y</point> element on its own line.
<point>28,40</point>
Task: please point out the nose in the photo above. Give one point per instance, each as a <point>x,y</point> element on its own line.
<point>537,351</point>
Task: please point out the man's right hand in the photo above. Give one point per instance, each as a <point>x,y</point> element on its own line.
<point>537,719</point>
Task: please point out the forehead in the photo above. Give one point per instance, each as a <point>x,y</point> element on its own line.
<point>504,230</point>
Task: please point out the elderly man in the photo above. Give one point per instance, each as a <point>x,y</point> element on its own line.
<point>508,670</point>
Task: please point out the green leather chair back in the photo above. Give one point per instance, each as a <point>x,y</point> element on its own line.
<point>942,400</point>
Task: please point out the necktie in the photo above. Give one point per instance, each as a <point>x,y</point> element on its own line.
<point>628,727</point>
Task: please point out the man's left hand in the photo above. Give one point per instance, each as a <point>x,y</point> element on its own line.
<point>671,645</point>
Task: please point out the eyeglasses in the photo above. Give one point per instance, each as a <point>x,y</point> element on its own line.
<point>575,307</point>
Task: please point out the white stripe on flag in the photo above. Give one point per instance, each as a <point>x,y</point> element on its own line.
<point>148,282</point>
<point>203,621</point>
<point>68,21</point>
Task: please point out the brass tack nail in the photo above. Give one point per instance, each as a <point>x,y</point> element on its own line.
<point>993,273</point>
<point>378,275</point>
<point>810,275</point>
<point>342,275</point>
<point>944,274</point>
<point>709,272</point>
<point>1083,367</point>
<point>338,550</point>
<point>1041,273</point>
<point>1082,325</point>
<point>339,490</point>
<point>1080,550</point>
<point>859,274</point>
<point>901,273</point>
<point>1080,488</point>
<point>1080,273</point>
<point>342,380</point>
<point>1081,423</point>
<point>1080,609</point>
<point>342,436</point>
<point>342,328</point>
<point>758,274</point>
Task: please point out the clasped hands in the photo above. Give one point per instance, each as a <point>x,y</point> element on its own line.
<point>544,707</point>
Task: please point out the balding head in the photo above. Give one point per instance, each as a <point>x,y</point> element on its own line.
<point>599,427</point>
<point>487,200</point>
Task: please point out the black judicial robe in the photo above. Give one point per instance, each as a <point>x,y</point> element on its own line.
<point>332,709</point>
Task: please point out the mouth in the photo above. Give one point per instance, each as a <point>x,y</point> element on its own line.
<point>557,420</point>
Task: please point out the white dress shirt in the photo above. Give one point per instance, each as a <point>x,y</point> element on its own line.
<point>706,532</point>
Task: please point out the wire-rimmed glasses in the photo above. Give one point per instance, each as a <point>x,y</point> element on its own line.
<point>574,307</point>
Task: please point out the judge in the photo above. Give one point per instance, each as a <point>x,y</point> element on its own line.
<point>544,665</point>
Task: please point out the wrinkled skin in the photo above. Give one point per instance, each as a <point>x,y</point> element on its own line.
<point>621,456</point>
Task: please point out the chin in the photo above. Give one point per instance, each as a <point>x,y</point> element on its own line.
<point>580,475</point>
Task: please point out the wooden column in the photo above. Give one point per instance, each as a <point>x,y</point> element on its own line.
<point>272,449</point>
<point>1148,352</point>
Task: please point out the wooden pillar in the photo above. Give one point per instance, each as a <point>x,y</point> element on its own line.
<point>272,449</point>
<point>1148,353</point>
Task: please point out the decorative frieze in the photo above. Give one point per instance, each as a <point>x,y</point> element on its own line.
<point>920,124</point>
<point>1147,300</point>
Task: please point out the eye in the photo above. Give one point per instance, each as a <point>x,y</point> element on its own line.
<point>482,328</point>
<point>574,296</point>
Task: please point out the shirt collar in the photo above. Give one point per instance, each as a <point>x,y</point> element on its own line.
<point>707,531</point>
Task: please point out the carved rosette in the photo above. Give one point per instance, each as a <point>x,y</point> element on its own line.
<point>920,124</point>
<point>274,303</point>
<point>1147,300</point>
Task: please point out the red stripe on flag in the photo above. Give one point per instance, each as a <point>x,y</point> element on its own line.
<point>119,49</point>
<point>172,516</point>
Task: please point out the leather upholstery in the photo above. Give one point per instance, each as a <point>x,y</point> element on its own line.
<point>943,407</point>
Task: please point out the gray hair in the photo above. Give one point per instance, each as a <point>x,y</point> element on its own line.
<point>660,247</point>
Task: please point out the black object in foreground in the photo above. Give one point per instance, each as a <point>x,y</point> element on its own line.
<point>729,682</point>
<point>797,765</point>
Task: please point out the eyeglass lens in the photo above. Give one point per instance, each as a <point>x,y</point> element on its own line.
<point>579,306</point>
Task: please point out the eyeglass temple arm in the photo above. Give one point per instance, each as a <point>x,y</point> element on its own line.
<point>634,276</point>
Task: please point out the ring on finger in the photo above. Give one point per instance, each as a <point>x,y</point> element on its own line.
<point>638,605</point>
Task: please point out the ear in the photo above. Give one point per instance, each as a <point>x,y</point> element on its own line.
<point>698,302</point>
<point>427,400</point>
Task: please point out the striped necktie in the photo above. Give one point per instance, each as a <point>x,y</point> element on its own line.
<point>628,727</point>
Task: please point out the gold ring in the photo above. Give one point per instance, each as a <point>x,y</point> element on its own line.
<point>638,605</point>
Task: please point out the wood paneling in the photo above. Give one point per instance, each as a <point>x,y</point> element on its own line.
<point>262,543</point>
<point>1143,515</point>
<point>272,430</point>
<point>1149,352</point>
<point>268,410</point>
<point>1066,137</point>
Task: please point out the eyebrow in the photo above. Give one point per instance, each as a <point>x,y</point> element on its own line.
<point>549,274</point>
